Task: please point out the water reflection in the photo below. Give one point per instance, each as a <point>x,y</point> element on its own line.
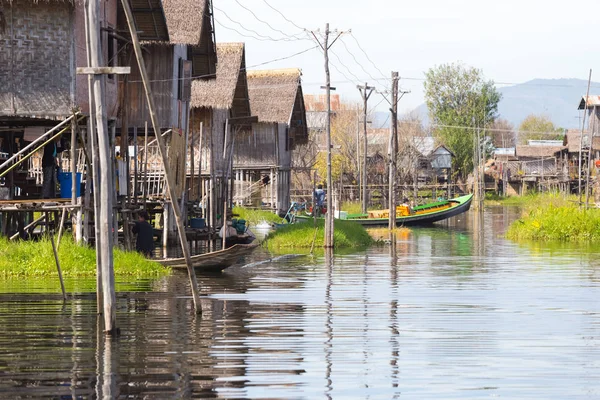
<point>454,311</point>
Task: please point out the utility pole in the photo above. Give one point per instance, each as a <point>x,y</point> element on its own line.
<point>329,225</point>
<point>393,152</point>
<point>365,92</point>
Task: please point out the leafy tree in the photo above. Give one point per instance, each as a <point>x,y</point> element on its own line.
<point>460,100</point>
<point>502,133</point>
<point>538,127</point>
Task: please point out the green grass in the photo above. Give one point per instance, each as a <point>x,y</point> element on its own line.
<point>551,217</point>
<point>352,207</point>
<point>347,234</point>
<point>493,199</point>
<point>254,217</point>
<point>36,259</point>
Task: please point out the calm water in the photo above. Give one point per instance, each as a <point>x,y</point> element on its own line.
<point>457,313</point>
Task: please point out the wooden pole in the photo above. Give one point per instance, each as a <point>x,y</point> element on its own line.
<point>163,153</point>
<point>329,224</point>
<point>585,108</point>
<point>200,140</point>
<point>135,164</point>
<point>60,277</point>
<point>104,221</point>
<point>192,159</point>
<point>393,152</point>
<point>145,187</point>
<point>589,158</point>
<point>61,226</point>
<point>365,92</point>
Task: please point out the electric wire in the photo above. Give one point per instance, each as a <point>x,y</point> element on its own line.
<point>241,69</point>
<point>284,17</point>
<point>295,37</point>
<point>259,36</point>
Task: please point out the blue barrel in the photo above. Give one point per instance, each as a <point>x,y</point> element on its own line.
<point>64,179</point>
<point>197,223</point>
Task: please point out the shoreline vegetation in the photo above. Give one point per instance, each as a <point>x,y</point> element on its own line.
<point>555,217</point>
<point>255,217</point>
<point>302,235</point>
<point>36,259</point>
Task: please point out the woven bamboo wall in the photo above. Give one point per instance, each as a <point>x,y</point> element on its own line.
<point>36,59</point>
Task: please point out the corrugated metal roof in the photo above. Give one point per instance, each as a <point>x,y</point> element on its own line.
<point>539,142</point>
<point>505,151</point>
<point>593,101</point>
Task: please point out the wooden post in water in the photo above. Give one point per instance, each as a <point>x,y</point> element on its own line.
<point>54,250</point>
<point>104,221</point>
<point>163,152</point>
<point>393,152</point>
<point>75,222</point>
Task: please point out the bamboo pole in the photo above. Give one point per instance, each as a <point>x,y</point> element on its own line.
<point>16,235</point>
<point>60,277</point>
<point>61,226</point>
<point>585,108</point>
<point>163,153</point>
<point>200,140</point>
<point>145,184</point>
<point>104,222</point>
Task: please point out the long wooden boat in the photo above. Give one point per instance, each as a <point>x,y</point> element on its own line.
<point>420,215</point>
<point>213,261</point>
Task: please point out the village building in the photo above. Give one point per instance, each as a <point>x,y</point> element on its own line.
<point>263,158</point>
<point>221,115</point>
<point>41,46</point>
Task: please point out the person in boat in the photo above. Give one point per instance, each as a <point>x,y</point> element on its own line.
<point>144,242</point>
<point>319,200</point>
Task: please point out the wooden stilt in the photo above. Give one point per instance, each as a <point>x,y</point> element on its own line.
<point>104,221</point>
<point>163,152</point>
<point>60,277</point>
<point>61,226</point>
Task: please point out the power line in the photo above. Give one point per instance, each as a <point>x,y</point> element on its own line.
<point>284,17</point>
<point>345,66</point>
<point>366,55</point>
<point>258,36</point>
<point>295,37</point>
<point>355,60</point>
<point>241,69</point>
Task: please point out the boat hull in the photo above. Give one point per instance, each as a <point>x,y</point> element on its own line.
<point>214,261</point>
<point>460,205</point>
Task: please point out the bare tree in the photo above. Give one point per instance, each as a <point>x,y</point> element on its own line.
<point>502,134</point>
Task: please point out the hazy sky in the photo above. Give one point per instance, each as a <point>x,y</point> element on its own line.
<point>511,41</point>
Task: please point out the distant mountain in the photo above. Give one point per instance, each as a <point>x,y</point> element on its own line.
<point>556,98</point>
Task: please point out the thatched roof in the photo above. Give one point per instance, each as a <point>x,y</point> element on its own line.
<point>171,21</point>
<point>573,140</point>
<point>185,20</point>
<point>538,151</point>
<point>273,94</point>
<point>220,92</point>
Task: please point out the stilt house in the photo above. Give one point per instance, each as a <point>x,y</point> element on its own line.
<point>41,45</point>
<point>178,44</point>
<point>262,159</point>
<point>220,115</point>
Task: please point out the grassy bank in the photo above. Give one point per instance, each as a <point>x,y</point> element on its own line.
<point>551,217</point>
<point>352,207</point>
<point>492,199</point>
<point>300,236</point>
<point>36,259</point>
<point>254,217</point>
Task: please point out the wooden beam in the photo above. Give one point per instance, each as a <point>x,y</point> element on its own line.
<point>103,70</point>
<point>163,152</point>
